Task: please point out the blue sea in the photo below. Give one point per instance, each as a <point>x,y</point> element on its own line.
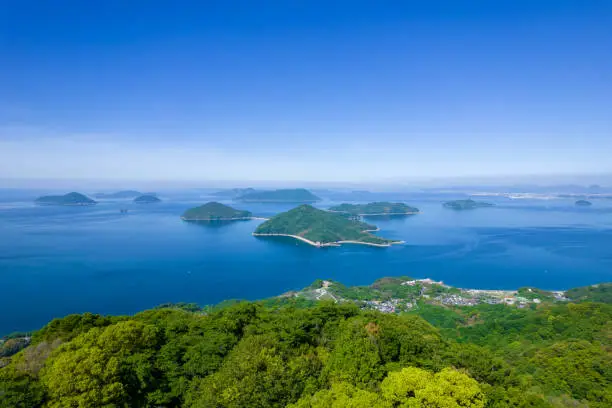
<point>60,260</point>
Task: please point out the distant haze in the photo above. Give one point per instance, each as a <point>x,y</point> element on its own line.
<point>325,92</point>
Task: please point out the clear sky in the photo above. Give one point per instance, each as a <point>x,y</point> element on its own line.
<point>304,90</point>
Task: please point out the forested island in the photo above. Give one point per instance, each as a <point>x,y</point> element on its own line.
<point>375,208</point>
<point>214,211</point>
<point>466,204</point>
<point>70,199</point>
<point>326,346</point>
<point>297,195</point>
<point>320,228</point>
<point>147,199</point>
<point>125,194</point>
<point>583,203</point>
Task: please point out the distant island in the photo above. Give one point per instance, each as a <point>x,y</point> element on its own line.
<point>234,192</point>
<point>321,228</point>
<point>376,208</point>
<point>297,195</point>
<point>70,199</point>
<point>583,203</point>
<point>147,199</point>
<point>466,204</point>
<point>214,211</point>
<point>122,194</point>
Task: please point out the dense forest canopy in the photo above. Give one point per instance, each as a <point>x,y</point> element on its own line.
<point>282,352</point>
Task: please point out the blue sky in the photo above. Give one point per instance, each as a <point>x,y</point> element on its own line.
<point>304,90</point>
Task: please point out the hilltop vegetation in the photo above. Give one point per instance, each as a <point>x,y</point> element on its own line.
<point>466,204</point>
<point>319,226</point>
<point>288,352</point>
<point>595,293</point>
<point>376,208</point>
<point>76,199</point>
<point>214,211</point>
<point>297,195</point>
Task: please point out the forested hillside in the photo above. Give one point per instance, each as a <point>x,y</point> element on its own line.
<point>318,354</point>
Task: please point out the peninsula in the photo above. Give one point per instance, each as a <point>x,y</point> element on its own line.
<point>466,204</point>
<point>321,228</point>
<point>214,211</point>
<point>70,199</point>
<point>147,199</point>
<point>375,209</point>
<point>298,195</point>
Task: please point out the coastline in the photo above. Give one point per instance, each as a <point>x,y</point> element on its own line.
<point>328,244</point>
<point>223,219</point>
<point>373,215</point>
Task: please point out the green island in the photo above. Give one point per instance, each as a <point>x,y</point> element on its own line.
<point>70,199</point>
<point>297,195</point>
<point>399,342</point>
<point>147,199</point>
<point>234,192</point>
<point>466,204</point>
<point>583,203</point>
<point>374,209</point>
<point>321,228</point>
<point>122,194</point>
<point>214,211</point>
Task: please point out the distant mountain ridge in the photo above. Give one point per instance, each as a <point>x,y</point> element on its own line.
<point>297,195</point>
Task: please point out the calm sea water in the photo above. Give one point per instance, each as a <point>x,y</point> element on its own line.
<point>60,260</point>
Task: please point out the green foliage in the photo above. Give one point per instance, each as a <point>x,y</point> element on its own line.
<point>376,208</point>
<point>297,195</point>
<point>411,388</point>
<point>283,353</point>
<point>214,211</point>
<point>595,293</point>
<point>319,226</point>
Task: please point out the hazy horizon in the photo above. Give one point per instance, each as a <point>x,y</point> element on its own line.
<point>340,93</point>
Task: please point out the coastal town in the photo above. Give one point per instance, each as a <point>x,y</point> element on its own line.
<point>396,295</point>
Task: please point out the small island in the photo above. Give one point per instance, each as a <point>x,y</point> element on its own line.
<point>583,203</point>
<point>466,204</point>
<point>214,211</point>
<point>125,194</point>
<point>70,199</point>
<point>321,228</point>
<point>381,208</point>
<point>147,199</point>
<point>297,195</point>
